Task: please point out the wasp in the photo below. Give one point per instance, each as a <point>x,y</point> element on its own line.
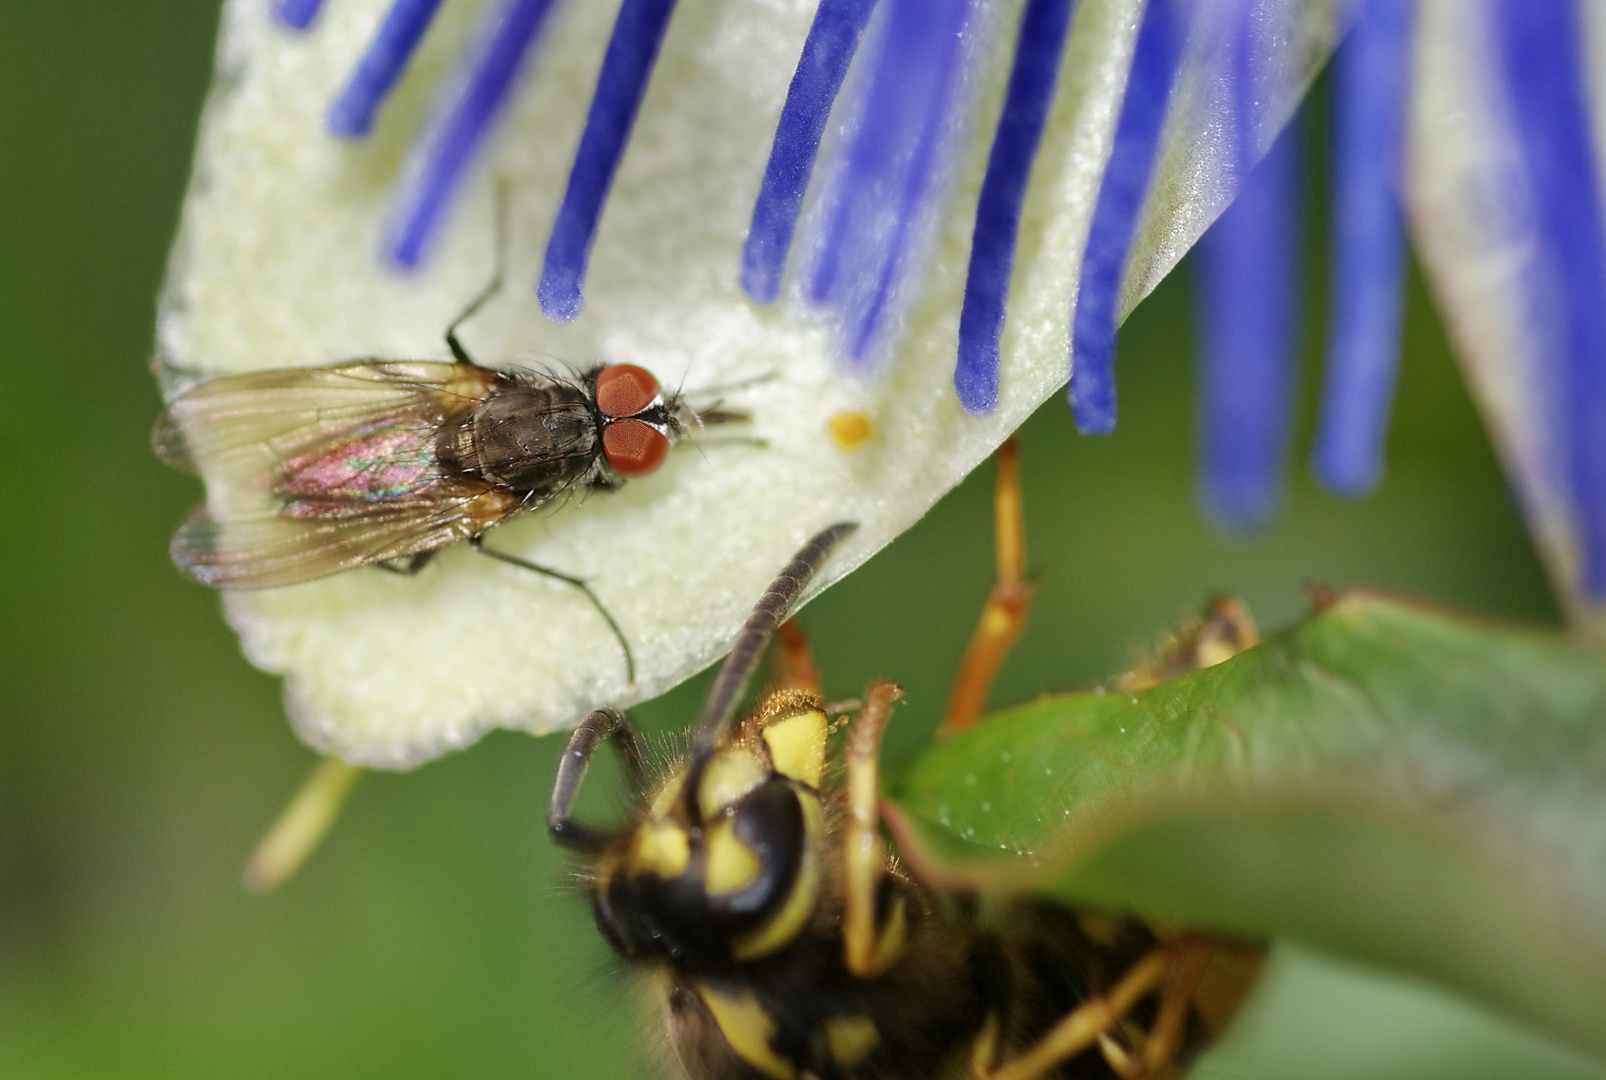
<point>754,889</point>
<point>315,470</point>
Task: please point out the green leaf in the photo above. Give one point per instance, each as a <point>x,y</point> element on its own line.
<point>1384,782</point>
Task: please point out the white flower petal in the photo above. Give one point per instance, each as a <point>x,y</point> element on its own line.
<point>275,266</point>
<point>1476,236</point>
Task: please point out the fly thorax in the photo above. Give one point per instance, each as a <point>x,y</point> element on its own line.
<point>538,439</point>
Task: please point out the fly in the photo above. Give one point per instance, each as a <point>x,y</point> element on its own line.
<point>311,471</point>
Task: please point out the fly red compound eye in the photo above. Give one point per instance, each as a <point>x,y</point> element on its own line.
<point>625,390</point>
<point>634,448</point>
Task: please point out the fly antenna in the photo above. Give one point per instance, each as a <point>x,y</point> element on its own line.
<point>739,384</point>
<point>772,608</point>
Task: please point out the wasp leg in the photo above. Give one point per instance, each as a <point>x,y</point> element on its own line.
<point>1081,1028</point>
<point>302,825</point>
<point>868,949</point>
<point>600,725</point>
<point>408,565</point>
<point>1222,632</point>
<point>1176,998</point>
<point>984,1048</point>
<point>793,662</point>
<point>1120,1060</point>
<point>459,353</point>
<point>478,544</point>
<point>1004,616</point>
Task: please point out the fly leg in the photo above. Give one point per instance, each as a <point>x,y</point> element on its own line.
<point>478,544</point>
<point>868,948</point>
<point>1004,616</point>
<point>459,353</point>
<point>408,565</point>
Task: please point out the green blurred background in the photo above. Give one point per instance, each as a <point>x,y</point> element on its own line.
<point>141,757</point>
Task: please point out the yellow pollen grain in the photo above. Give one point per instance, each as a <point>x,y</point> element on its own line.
<point>851,430</point>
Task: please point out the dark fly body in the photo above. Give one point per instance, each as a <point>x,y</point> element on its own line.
<point>311,471</point>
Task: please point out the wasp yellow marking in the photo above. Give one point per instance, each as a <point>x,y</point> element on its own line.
<point>894,937</point>
<point>663,849</point>
<point>668,795</point>
<point>748,1028</point>
<point>728,776</point>
<point>851,430</point>
<point>850,1039</point>
<point>729,865</point>
<point>788,922</point>
<point>797,746</point>
<point>984,1051</point>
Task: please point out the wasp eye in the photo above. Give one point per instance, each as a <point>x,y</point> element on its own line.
<point>634,448</point>
<point>625,390</point>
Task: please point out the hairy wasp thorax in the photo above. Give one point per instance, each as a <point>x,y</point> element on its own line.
<point>725,864</point>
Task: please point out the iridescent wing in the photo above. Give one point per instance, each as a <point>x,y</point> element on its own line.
<point>244,424</point>
<point>277,548</point>
<point>314,470</point>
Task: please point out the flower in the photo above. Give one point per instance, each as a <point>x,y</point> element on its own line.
<point>924,215</point>
<point>1503,190</point>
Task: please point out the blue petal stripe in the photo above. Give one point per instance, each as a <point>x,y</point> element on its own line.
<point>833,39</point>
<point>1371,73</point>
<point>1248,291</point>
<point>890,167</point>
<point>632,50</point>
<point>1541,49</point>
<point>296,14</point>
<point>1248,282</point>
<point>1115,217</point>
<point>352,114</point>
<point>442,157</point>
<point>992,247</point>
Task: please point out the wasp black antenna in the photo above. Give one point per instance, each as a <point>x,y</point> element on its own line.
<point>592,732</point>
<point>771,609</point>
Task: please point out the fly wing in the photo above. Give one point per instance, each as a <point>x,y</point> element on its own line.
<point>239,426</point>
<point>314,470</point>
<point>278,548</point>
